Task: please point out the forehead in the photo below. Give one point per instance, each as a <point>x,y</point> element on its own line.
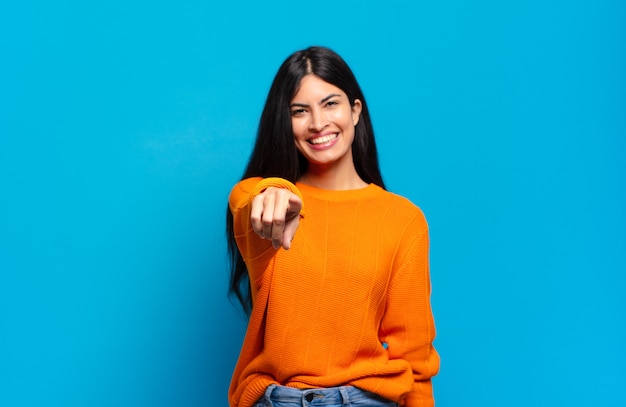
<point>314,87</point>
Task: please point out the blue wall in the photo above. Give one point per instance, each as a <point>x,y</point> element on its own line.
<point>123,127</point>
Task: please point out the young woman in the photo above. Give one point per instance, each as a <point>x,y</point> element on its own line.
<point>332,268</point>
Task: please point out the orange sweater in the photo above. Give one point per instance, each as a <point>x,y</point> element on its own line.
<point>348,304</point>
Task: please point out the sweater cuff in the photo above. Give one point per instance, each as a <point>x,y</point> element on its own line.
<point>276,182</point>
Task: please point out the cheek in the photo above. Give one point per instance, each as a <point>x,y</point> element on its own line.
<point>297,129</point>
<point>345,117</point>
<point>299,144</point>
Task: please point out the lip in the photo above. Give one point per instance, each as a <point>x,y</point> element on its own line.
<point>325,145</point>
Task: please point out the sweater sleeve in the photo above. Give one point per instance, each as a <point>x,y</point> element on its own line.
<point>246,190</point>
<point>255,251</point>
<point>408,325</point>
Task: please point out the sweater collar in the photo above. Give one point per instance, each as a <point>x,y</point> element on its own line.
<point>370,190</point>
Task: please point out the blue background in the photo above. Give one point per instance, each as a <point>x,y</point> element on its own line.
<point>123,126</point>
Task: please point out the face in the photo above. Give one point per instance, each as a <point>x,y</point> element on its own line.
<point>323,122</point>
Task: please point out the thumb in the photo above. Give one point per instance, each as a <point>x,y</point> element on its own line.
<point>294,208</point>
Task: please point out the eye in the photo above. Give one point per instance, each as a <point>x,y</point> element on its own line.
<point>298,112</point>
<point>331,103</point>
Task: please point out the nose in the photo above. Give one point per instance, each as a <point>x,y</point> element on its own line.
<point>318,120</point>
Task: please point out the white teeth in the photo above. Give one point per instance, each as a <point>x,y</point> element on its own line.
<point>323,139</point>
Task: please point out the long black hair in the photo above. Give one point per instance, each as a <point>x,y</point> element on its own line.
<point>275,153</point>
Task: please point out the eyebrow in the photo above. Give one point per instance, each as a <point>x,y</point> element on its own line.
<point>332,95</point>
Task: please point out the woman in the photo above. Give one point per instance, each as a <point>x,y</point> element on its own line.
<point>332,267</point>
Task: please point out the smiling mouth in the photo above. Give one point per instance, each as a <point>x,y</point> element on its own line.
<point>323,139</point>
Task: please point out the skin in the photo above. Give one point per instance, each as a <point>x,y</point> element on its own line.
<point>323,122</point>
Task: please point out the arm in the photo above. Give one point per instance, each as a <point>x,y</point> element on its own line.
<point>408,325</point>
<point>269,209</point>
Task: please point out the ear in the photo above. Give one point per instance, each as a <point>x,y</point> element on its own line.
<point>356,111</point>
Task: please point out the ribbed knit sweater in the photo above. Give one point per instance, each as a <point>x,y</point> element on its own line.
<point>347,304</point>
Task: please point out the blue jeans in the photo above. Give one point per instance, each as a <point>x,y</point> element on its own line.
<point>281,396</point>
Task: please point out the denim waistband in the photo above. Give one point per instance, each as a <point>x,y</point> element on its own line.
<point>343,395</point>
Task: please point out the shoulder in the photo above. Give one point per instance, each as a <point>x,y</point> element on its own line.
<point>403,208</point>
<point>407,226</point>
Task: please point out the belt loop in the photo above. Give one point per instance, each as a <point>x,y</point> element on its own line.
<point>344,395</point>
<point>268,395</point>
